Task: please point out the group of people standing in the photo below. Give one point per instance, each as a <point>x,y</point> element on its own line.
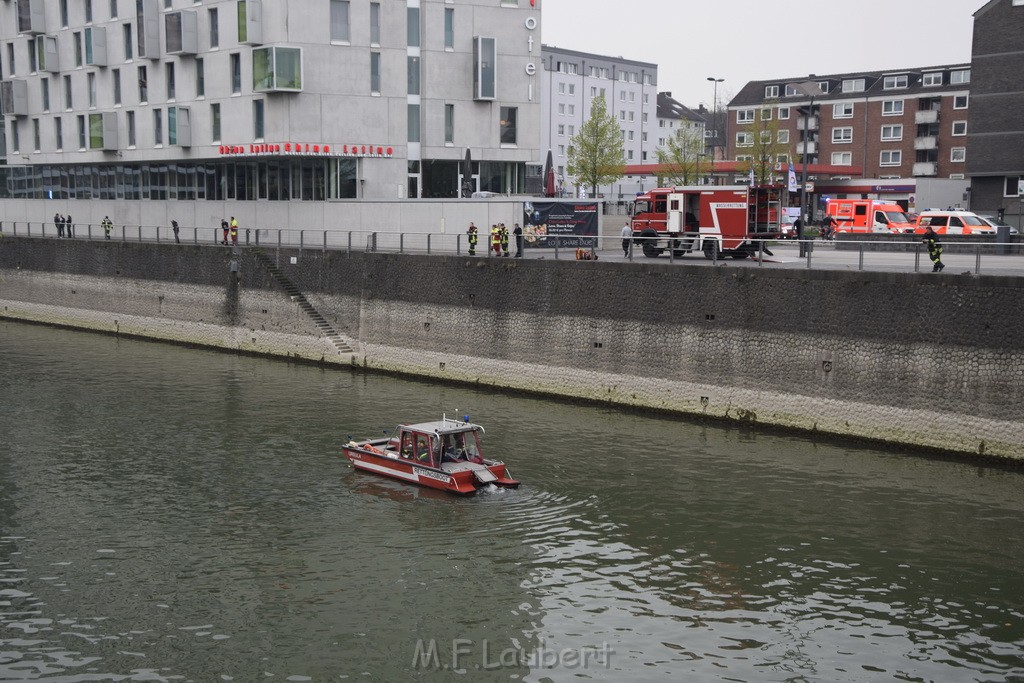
<point>229,229</point>
<point>499,239</point>
<point>65,228</point>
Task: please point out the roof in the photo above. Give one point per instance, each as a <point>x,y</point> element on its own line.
<point>729,166</point>
<point>551,49</point>
<point>669,108</point>
<point>447,426</point>
<point>753,93</point>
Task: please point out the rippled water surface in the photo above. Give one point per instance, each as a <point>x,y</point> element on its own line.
<point>176,514</point>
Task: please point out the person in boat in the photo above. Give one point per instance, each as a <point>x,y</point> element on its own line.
<point>422,449</point>
<point>449,453</point>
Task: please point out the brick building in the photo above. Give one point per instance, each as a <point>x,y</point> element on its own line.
<point>898,123</point>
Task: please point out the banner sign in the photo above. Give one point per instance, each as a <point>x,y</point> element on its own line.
<point>569,224</point>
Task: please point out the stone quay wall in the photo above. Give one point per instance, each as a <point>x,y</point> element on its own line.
<point>907,359</point>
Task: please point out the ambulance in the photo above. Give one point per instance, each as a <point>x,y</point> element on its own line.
<point>869,216</point>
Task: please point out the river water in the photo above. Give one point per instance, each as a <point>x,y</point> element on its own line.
<point>176,514</point>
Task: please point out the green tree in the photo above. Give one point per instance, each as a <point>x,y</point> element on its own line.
<point>595,152</point>
<point>764,146</point>
<point>682,158</point>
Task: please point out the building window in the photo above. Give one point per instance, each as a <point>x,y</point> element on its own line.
<point>172,125</point>
<point>130,124</point>
<point>561,130</point>
<point>143,86</point>
<point>842,135</point>
<point>892,133</point>
<point>891,157</point>
<point>10,59</point>
<point>82,140</point>
<point>958,154</point>
<point>960,76</point>
<point>236,73</point>
<point>215,121</point>
<point>64,13</point>
<point>76,39</point>
<point>67,93</point>
<point>449,123</point>
<point>375,23</point>
<point>843,110</point>
<point>113,9</point>
<point>572,110</point>
<point>842,158</point>
<point>960,102</point>
<point>171,85</point>
<point>509,118</point>
<point>744,139</point>
<point>88,11</point>
<point>449,28</point>
<point>44,92</point>
<point>412,25</point>
<point>1012,188</point>
<point>214,28</point>
<point>35,135</point>
<point>257,119</point>
<point>894,82</point>
<point>414,123</point>
<point>959,128</point>
<point>783,137</point>
<point>243,21</point>
<point>413,70</point>
<point>340,32</point>
<point>783,113</point>
<point>771,91</point>
<point>375,72</point>
<point>58,132</point>
<point>91,82</point>
<point>744,116</point>
<point>931,79</point>
<point>115,75</point>
<point>853,85</point>
<point>892,107</point>
<point>158,126</point>
<point>128,49</point>
<point>766,114</point>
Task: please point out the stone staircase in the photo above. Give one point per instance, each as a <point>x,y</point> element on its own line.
<point>299,298</point>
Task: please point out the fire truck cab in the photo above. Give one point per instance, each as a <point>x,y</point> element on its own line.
<point>731,219</point>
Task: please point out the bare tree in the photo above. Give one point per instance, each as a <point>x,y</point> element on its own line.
<point>595,152</point>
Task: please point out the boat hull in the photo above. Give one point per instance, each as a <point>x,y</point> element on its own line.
<point>389,464</point>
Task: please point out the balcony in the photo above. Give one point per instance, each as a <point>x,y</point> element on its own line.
<point>103,131</point>
<point>806,148</point>
<point>181,35</point>
<point>926,116</point>
<point>14,97</point>
<point>31,18</point>
<point>277,69</point>
<point>147,28</point>
<point>810,124</point>
<point>926,142</point>
<point>925,168</point>
<point>95,46</point>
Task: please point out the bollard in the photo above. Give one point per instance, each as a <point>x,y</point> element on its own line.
<point>302,239</point>
<point>977,261</point>
<point>325,242</point>
<point>760,253</point>
<point>349,241</point>
<point>860,262</point>
<point>458,245</point>
<point>428,242</point>
<point>917,259</point>
<point>401,243</point>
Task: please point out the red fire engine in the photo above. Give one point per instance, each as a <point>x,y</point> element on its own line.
<point>729,219</point>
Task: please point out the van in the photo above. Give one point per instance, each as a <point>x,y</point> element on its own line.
<point>953,222</point>
<point>868,215</point>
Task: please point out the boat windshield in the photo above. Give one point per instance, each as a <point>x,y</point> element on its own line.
<point>461,446</point>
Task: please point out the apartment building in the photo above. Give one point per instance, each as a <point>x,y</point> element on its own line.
<point>897,123</point>
<point>267,100</point>
<point>995,142</point>
<point>571,80</point>
<point>674,116</point>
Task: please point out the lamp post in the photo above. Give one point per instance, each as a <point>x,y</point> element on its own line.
<point>714,119</point>
<point>811,90</point>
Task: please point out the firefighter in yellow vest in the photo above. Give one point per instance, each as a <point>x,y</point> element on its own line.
<point>503,236</point>
<point>234,231</point>
<point>496,240</point>
<point>473,237</point>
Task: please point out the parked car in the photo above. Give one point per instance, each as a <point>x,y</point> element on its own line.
<point>954,222</point>
<point>996,223</point>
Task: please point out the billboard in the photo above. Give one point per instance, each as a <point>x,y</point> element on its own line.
<point>570,224</point>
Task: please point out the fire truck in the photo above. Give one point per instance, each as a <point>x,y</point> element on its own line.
<point>714,219</point>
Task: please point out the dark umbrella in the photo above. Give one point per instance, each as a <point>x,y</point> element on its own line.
<point>467,174</point>
<point>549,176</point>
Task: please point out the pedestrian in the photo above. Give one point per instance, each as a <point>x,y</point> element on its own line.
<point>798,232</point>
<point>934,249</point>
<point>234,231</point>
<point>107,225</point>
<point>496,239</point>
<point>69,228</point>
<point>473,237</point>
<point>503,238</point>
<point>174,227</point>
<point>58,221</point>
<point>518,232</point>
<point>627,238</point>
<point>224,228</point>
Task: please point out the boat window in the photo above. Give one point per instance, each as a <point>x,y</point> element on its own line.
<point>423,448</point>
<point>407,445</point>
<point>466,446</point>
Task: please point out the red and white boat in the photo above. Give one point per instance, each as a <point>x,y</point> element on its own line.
<point>444,455</point>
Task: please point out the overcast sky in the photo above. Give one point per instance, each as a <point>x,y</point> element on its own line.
<point>749,40</point>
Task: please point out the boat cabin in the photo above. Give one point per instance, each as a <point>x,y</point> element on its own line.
<point>435,443</point>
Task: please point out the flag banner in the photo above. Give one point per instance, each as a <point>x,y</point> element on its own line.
<point>792,179</point>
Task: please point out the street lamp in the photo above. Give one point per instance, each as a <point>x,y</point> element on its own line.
<point>714,119</point>
<point>812,90</point>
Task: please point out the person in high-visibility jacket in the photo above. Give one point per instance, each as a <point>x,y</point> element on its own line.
<point>503,236</point>
<point>473,237</point>
<point>496,240</point>
<point>234,230</point>
<point>931,240</point>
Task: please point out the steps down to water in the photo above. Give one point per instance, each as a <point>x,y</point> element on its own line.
<point>299,298</point>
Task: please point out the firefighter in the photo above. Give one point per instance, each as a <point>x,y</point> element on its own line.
<point>503,236</point>
<point>934,249</point>
<point>496,240</point>
<point>473,237</point>
<point>234,231</point>
<point>107,225</point>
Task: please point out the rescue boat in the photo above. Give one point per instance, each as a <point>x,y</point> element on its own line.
<point>444,455</point>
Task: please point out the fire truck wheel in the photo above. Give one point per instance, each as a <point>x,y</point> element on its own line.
<point>711,250</point>
<point>650,251</point>
<point>739,255</point>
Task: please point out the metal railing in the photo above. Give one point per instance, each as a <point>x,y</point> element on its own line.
<point>903,254</point>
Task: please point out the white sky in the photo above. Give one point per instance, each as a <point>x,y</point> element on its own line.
<point>749,40</point>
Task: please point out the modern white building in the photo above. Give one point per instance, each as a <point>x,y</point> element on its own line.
<point>571,80</point>
<point>268,99</point>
